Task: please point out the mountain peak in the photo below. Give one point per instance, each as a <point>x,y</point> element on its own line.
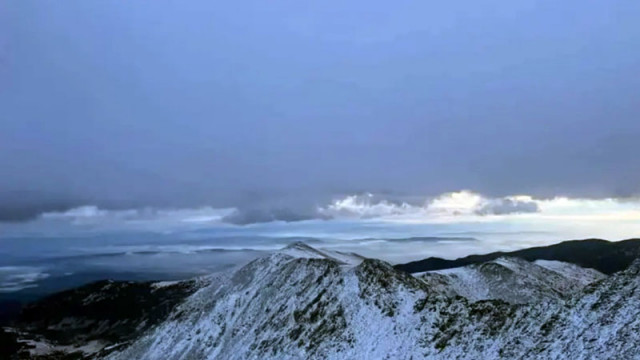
<point>299,245</point>
<point>300,249</point>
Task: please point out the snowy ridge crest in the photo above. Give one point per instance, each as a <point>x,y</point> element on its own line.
<point>301,250</point>
<point>513,280</point>
<point>303,303</point>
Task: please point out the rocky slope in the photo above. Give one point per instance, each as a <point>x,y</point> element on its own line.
<point>297,307</point>
<point>305,303</point>
<point>82,322</point>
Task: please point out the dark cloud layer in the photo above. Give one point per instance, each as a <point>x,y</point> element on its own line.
<point>129,104</point>
<point>24,212</point>
<point>21,206</point>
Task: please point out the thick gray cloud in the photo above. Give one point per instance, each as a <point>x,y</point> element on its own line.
<point>241,104</point>
<point>23,206</point>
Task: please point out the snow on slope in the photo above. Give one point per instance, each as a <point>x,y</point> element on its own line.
<point>511,279</point>
<point>604,321</point>
<point>582,275</point>
<point>302,250</point>
<point>310,306</point>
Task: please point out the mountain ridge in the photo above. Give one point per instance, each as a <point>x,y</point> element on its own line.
<point>304,303</point>
<point>605,256</point>
<point>513,280</point>
<point>311,308</point>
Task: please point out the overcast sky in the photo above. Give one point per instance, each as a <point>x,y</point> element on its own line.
<point>254,103</point>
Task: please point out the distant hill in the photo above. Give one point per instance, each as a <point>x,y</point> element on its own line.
<point>605,256</point>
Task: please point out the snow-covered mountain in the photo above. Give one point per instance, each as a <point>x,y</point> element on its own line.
<point>302,250</point>
<point>513,280</point>
<point>583,276</point>
<point>306,303</point>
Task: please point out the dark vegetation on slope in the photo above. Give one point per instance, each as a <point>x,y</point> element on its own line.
<point>9,309</point>
<point>607,257</point>
<point>106,311</point>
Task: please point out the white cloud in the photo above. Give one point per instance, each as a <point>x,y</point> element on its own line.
<point>562,208</point>
<point>465,206</point>
<point>91,215</point>
<point>365,206</point>
<point>448,206</point>
<point>454,207</point>
<point>506,206</point>
<point>455,204</point>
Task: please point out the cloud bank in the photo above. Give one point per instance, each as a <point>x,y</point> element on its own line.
<point>508,206</point>
<point>92,215</point>
<point>264,215</point>
<point>448,205</point>
<point>453,207</point>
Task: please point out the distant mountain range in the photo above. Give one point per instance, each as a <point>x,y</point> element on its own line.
<point>307,303</point>
<point>607,257</point>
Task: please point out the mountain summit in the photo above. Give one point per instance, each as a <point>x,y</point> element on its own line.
<point>307,303</point>
<point>302,303</point>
